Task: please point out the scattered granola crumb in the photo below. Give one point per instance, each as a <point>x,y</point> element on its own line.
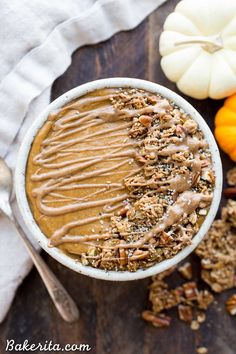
<point>231,176</point>
<point>195,325</point>
<point>186,270</point>
<point>231,305</point>
<point>201,317</point>
<point>202,350</point>
<point>204,299</point>
<point>191,301</point>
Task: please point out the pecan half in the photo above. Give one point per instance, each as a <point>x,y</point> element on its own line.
<point>185,313</point>
<point>190,290</point>
<point>157,320</point>
<point>230,192</point>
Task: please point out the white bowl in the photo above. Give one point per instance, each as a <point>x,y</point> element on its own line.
<point>56,252</point>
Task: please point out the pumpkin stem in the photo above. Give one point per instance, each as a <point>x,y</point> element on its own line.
<point>211,44</point>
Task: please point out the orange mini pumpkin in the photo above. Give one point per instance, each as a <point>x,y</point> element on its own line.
<point>225,131</point>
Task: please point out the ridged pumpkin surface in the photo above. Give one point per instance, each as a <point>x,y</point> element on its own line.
<point>225,131</point>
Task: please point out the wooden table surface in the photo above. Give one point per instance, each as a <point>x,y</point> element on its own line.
<point>110,312</point>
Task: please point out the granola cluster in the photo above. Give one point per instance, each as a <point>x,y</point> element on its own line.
<point>188,298</point>
<point>217,253</point>
<point>173,157</point>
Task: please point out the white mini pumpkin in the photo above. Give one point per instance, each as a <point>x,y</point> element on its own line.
<point>198,48</point>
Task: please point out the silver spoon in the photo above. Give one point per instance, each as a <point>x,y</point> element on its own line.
<point>62,300</point>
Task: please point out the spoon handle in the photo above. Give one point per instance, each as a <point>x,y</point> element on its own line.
<point>62,300</point>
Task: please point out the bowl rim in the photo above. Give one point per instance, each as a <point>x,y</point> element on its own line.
<point>55,252</point>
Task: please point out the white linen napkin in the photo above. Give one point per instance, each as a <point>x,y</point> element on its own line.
<point>37,40</point>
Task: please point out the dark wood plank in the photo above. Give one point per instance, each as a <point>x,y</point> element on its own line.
<point>110,312</point>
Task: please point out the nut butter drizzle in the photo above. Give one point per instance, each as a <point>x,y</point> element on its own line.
<point>65,169</point>
<point>65,174</point>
